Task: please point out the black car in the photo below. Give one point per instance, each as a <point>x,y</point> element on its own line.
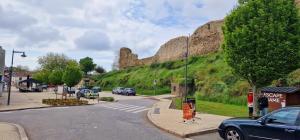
<point>129,92</point>
<point>283,124</point>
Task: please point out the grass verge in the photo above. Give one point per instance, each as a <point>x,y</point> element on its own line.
<point>217,108</point>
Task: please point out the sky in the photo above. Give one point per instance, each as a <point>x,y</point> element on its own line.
<point>99,28</point>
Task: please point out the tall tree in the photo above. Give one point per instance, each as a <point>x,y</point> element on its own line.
<point>72,75</point>
<point>42,76</point>
<point>87,64</point>
<point>55,78</point>
<point>53,61</point>
<point>261,40</point>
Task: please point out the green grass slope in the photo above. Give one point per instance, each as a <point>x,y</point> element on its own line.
<point>213,79</point>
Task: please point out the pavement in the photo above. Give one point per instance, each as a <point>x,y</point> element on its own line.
<point>127,112</point>
<point>10,131</point>
<point>171,120</point>
<point>122,120</point>
<point>30,100</point>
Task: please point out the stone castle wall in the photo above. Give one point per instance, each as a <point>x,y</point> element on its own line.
<point>204,40</point>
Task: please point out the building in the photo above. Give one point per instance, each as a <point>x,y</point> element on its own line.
<point>281,96</point>
<point>19,76</point>
<point>2,66</point>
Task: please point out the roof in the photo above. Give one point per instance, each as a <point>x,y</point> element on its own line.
<point>280,89</point>
<point>30,80</point>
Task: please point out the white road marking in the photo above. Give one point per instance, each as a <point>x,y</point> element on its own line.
<point>141,110</point>
<point>135,109</point>
<point>125,107</point>
<point>129,108</point>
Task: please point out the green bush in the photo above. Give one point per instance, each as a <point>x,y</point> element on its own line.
<point>107,99</point>
<point>293,78</point>
<point>64,102</point>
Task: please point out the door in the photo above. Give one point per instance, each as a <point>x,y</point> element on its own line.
<point>280,125</point>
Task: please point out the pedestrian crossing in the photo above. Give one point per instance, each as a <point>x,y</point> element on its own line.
<point>125,107</point>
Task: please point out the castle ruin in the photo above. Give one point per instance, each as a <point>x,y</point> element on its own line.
<point>204,40</point>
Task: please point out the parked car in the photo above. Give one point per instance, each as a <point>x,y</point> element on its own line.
<point>82,92</point>
<point>129,92</point>
<point>282,124</point>
<point>96,89</point>
<point>118,90</point>
<point>91,94</point>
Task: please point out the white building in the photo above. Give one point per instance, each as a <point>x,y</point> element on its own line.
<point>2,65</point>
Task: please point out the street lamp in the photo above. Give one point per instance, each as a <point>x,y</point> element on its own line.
<point>10,72</point>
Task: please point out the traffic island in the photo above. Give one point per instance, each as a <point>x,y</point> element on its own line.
<point>171,120</point>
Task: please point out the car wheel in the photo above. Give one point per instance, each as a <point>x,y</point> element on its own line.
<point>233,134</point>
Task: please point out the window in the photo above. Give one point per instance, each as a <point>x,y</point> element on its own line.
<point>288,117</point>
<point>174,88</point>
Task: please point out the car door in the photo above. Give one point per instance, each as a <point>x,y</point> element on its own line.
<point>280,125</point>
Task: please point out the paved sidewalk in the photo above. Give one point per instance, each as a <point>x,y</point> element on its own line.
<point>171,120</point>
<point>10,131</point>
<point>29,100</point>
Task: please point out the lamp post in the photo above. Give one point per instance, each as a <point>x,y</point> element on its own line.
<point>11,71</point>
<point>186,67</point>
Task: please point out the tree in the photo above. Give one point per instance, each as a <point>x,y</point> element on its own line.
<point>100,70</point>
<point>261,40</point>
<point>72,75</point>
<point>42,76</point>
<point>53,61</point>
<point>87,64</point>
<point>55,78</point>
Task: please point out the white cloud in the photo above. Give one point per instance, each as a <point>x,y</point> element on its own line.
<point>72,27</point>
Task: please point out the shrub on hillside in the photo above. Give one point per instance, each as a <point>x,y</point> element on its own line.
<point>293,78</point>
<point>154,65</point>
<point>230,79</point>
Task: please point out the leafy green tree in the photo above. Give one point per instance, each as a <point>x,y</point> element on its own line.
<point>55,77</point>
<point>42,76</point>
<point>53,61</point>
<point>261,40</point>
<point>100,70</point>
<point>72,75</point>
<point>87,65</point>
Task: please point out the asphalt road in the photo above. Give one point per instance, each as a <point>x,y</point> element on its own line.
<point>95,122</point>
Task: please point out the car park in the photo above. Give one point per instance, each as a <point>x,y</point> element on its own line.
<point>82,92</point>
<point>282,124</point>
<point>129,92</point>
<point>96,89</point>
<point>91,94</point>
<point>118,90</point>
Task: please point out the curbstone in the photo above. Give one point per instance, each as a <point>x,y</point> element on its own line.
<point>202,132</point>
<point>21,130</point>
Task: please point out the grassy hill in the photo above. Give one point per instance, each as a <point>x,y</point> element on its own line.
<point>213,79</point>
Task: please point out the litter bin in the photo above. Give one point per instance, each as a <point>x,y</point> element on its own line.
<point>189,109</point>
